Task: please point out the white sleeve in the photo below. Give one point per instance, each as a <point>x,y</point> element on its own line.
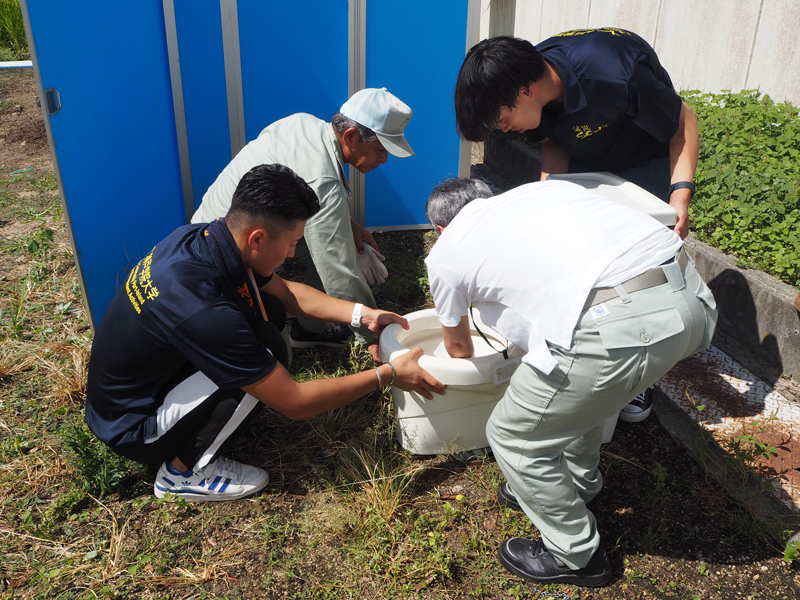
<point>450,303</point>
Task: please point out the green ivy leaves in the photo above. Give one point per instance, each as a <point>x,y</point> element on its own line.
<point>747,180</point>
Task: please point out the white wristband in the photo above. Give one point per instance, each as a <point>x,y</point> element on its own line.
<point>356,318</point>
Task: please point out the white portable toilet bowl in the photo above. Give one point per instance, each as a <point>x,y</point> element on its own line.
<point>456,421</point>
<point>623,192</point>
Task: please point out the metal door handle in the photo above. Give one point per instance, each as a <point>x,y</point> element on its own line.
<point>53,99</point>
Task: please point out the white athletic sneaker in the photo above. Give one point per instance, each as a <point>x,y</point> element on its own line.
<point>221,480</point>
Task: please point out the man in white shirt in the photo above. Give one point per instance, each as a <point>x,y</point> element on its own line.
<point>604,300</point>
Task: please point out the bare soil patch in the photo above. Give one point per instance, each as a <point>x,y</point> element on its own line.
<point>23,139</point>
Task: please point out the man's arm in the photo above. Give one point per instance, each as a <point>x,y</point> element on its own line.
<point>305,301</point>
<point>361,236</point>
<point>458,339</point>
<point>683,150</point>
<point>554,159</point>
<point>280,391</point>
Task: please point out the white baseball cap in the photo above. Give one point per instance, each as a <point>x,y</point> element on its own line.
<point>385,114</point>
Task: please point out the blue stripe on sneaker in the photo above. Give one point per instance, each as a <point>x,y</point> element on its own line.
<point>224,486</point>
<point>167,480</point>
<point>180,491</point>
<point>215,482</point>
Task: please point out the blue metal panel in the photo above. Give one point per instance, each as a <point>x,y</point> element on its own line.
<point>114,136</point>
<point>415,53</point>
<point>294,59</point>
<point>205,100</point>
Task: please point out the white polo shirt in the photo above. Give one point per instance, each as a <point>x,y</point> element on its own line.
<point>527,260</point>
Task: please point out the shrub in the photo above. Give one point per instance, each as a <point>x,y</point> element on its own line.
<point>747,180</point>
<point>12,29</point>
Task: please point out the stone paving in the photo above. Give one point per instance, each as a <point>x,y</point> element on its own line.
<point>738,404</point>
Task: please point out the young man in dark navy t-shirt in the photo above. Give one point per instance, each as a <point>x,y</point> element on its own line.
<point>599,100</point>
<point>188,348</point>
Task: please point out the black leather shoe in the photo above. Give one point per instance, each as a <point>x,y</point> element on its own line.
<point>530,560</point>
<point>506,497</point>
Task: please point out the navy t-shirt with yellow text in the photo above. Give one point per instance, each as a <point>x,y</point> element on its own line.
<point>172,310</point>
<point>619,107</point>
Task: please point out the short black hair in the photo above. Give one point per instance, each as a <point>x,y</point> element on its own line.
<point>273,197</point>
<point>490,78</point>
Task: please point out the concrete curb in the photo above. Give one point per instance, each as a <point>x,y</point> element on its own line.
<point>779,519</point>
<point>759,324</point>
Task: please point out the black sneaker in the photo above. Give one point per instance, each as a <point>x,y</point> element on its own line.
<point>507,498</point>
<point>530,560</point>
<point>334,336</point>
<point>470,455</point>
<point>639,408</point>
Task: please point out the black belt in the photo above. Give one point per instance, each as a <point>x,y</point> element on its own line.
<point>648,279</point>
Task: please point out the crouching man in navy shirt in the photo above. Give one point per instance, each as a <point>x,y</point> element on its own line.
<point>599,100</point>
<point>187,351</point>
<point>604,301</point>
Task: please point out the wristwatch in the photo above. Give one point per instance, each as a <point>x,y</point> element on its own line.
<point>682,185</point>
<point>356,318</point>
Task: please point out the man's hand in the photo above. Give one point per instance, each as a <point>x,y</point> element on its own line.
<point>680,202</point>
<point>375,320</point>
<point>413,378</point>
<point>361,236</point>
<point>375,351</point>
<point>370,262</point>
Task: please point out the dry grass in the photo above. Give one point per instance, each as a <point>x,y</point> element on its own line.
<point>15,358</point>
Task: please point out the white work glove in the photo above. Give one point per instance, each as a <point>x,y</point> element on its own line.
<point>371,264</point>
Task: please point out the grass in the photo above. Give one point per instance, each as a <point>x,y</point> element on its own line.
<point>13,40</point>
<point>348,513</point>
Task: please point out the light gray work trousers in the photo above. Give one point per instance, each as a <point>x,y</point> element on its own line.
<point>328,242</point>
<point>546,430</point>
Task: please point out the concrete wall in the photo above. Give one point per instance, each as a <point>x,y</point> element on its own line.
<point>710,45</point>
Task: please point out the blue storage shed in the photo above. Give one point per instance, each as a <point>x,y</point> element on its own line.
<point>146,102</point>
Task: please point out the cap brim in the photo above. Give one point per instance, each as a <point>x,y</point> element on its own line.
<point>395,145</point>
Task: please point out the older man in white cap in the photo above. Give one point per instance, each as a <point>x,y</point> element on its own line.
<point>345,259</point>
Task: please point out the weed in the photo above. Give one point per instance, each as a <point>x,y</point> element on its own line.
<point>68,381</point>
<point>655,495</point>
<point>101,471</point>
<point>15,446</point>
<point>697,408</point>
<point>38,243</point>
<point>16,315</point>
<point>382,476</point>
<point>14,358</point>
<point>792,551</point>
<point>12,28</point>
<point>747,448</point>
<point>46,183</point>
<point>652,537</point>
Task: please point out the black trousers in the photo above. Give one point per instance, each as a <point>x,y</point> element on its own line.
<point>197,420</point>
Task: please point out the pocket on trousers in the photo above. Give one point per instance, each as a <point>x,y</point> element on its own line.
<point>626,342</point>
<point>642,329</point>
